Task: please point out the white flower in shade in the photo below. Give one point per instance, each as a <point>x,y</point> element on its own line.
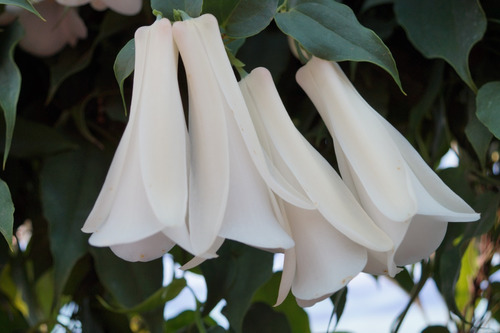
<point>61,27</point>
<point>331,240</point>
<point>228,195</point>
<point>124,7</point>
<point>141,210</point>
<point>389,178</point>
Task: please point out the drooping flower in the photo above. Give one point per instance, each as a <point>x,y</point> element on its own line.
<point>141,210</point>
<point>331,240</point>
<point>389,178</point>
<point>124,7</point>
<point>45,38</point>
<point>228,196</point>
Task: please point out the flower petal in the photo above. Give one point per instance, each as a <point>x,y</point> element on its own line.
<point>105,200</point>
<point>208,29</point>
<point>326,260</point>
<point>209,169</point>
<point>364,141</point>
<point>315,175</point>
<point>146,249</point>
<point>423,237</point>
<point>162,129</point>
<point>250,216</point>
<point>447,203</point>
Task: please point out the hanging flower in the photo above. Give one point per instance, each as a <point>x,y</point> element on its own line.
<point>389,178</point>
<point>141,210</point>
<point>331,240</point>
<point>228,197</point>
<point>124,7</point>
<point>45,38</point>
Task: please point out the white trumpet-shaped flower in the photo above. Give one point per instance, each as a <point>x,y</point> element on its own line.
<point>45,38</point>
<point>389,178</point>
<point>228,197</point>
<point>141,210</point>
<point>331,240</point>
<point>124,7</point>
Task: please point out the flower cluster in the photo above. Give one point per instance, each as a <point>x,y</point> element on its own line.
<point>239,169</point>
<point>61,25</point>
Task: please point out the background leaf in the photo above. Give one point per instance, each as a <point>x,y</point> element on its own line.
<point>488,107</point>
<point>10,84</point>
<point>297,317</point>
<point>235,276</point>
<point>25,4</point>
<point>70,183</point>
<point>6,213</point>
<point>330,30</point>
<point>124,66</point>
<point>446,29</point>
<point>241,18</point>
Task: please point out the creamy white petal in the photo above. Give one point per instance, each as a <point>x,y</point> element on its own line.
<point>365,143</point>
<point>319,180</point>
<point>131,217</point>
<point>209,146</point>
<point>210,254</point>
<point>162,129</point>
<point>146,249</point>
<point>422,238</point>
<point>453,208</point>
<point>127,209</point>
<point>104,202</point>
<point>208,30</point>
<point>250,216</point>
<point>326,260</point>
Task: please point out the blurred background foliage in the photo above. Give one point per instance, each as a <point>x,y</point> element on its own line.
<point>430,67</point>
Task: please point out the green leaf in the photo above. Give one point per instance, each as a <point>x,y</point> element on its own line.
<point>446,29</point>
<point>74,60</point>
<point>488,106</point>
<point>6,213</point>
<point>70,183</point>
<point>241,18</point>
<point>10,84</point>
<point>25,4</point>
<point>158,299</point>
<point>330,30</point>
<point>33,139</point>
<point>339,300</point>
<point>479,137</point>
<point>191,7</point>
<point>297,317</point>
<point>263,319</point>
<point>130,283</point>
<point>235,276</point>
<point>436,329</point>
<point>124,66</point>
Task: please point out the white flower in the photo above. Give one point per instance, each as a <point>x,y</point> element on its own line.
<point>228,197</point>
<point>124,7</point>
<point>389,178</point>
<point>141,210</point>
<point>331,240</point>
<point>45,38</point>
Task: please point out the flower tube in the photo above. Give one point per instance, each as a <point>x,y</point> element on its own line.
<point>141,210</point>
<point>228,196</point>
<point>390,179</point>
<point>331,241</point>
<point>45,38</point>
